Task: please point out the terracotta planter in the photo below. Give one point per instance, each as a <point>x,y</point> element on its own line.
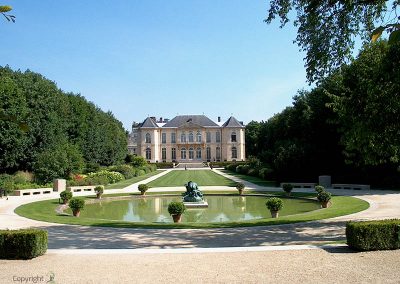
<point>99,195</point>
<point>65,201</point>
<point>274,214</point>
<point>325,204</point>
<point>76,213</point>
<point>143,193</point>
<point>177,218</point>
<point>240,191</point>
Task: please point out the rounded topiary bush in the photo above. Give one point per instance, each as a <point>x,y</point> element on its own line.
<point>176,208</point>
<point>65,196</point>
<point>240,187</point>
<point>274,204</point>
<point>324,197</point>
<point>287,187</point>
<point>76,205</point>
<point>143,188</point>
<point>319,189</point>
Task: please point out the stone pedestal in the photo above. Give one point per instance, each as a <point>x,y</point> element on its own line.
<point>59,185</point>
<point>325,181</point>
<point>202,204</point>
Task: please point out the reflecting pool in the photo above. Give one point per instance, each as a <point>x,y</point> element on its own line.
<point>220,209</point>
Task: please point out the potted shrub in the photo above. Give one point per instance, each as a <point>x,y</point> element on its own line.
<point>240,187</point>
<point>143,188</point>
<point>319,189</point>
<point>324,198</point>
<point>99,191</point>
<point>176,209</point>
<point>65,196</point>
<point>76,205</point>
<point>274,204</point>
<point>287,187</point>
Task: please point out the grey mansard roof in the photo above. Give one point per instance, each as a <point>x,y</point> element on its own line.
<point>149,123</point>
<point>200,120</point>
<point>232,122</point>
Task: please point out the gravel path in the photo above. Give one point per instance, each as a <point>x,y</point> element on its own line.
<point>299,266</point>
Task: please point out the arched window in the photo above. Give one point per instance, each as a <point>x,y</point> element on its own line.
<point>218,153</point>
<point>234,153</point>
<point>191,137</point>
<point>217,137</point>
<point>148,154</point>
<point>208,137</point>
<point>183,137</point>
<point>191,154</point>
<point>198,153</point>
<point>183,153</point>
<point>148,138</point>
<point>198,136</point>
<point>208,152</point>
<point>233,137</point>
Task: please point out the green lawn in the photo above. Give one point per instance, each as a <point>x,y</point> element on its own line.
<point>201,177</point>
<point>127,182</point>
<point>255,180</point>
<point>45,211</point>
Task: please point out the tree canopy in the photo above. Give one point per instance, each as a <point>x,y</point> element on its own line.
<point>57,123</point>
<point>348,126</point>
<point>327,29</point>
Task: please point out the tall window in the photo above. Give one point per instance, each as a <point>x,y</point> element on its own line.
<point>183,153</point>
<point>234,153</point>
<point>208,152</point>
<point>164,154</point>
<point>198,136</point>
<point>173,153</point>
<point>233,137</point>
<point>218,136</point>
<point>218,153</point>
<point>148,154</point>
<point>208,137</point>
<point>198,153</point>
<point>163,138</point>
<point>183,137</point>
<point>191,137</point>
<point>148,138</point>
<point>191,153</point>
<point>173,137</point>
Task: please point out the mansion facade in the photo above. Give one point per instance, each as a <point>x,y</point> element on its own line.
<point>188,138</point>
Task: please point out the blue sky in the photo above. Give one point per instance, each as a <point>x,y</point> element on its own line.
<point>159,58</point>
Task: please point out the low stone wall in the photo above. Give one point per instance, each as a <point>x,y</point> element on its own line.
<point>301,184</point>
<point>350,186</point>
<point>87,188</point>
<point>37,191</point>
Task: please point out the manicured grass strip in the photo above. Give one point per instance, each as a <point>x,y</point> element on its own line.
<point>201,177</point>
<point>255,180</point>
<point>127,182</point>
<point>45,211</point>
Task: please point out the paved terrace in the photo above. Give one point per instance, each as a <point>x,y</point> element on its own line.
<point>383,205</point>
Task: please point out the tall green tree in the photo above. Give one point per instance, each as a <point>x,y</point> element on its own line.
<point>327,29</point>
<point>369,106</point>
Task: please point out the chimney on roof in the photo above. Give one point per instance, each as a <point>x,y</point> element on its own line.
<point>219,119</point>
<point>161,121</point>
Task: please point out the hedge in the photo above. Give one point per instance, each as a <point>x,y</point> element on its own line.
<point>373,235</point>
<point>22,244</point>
